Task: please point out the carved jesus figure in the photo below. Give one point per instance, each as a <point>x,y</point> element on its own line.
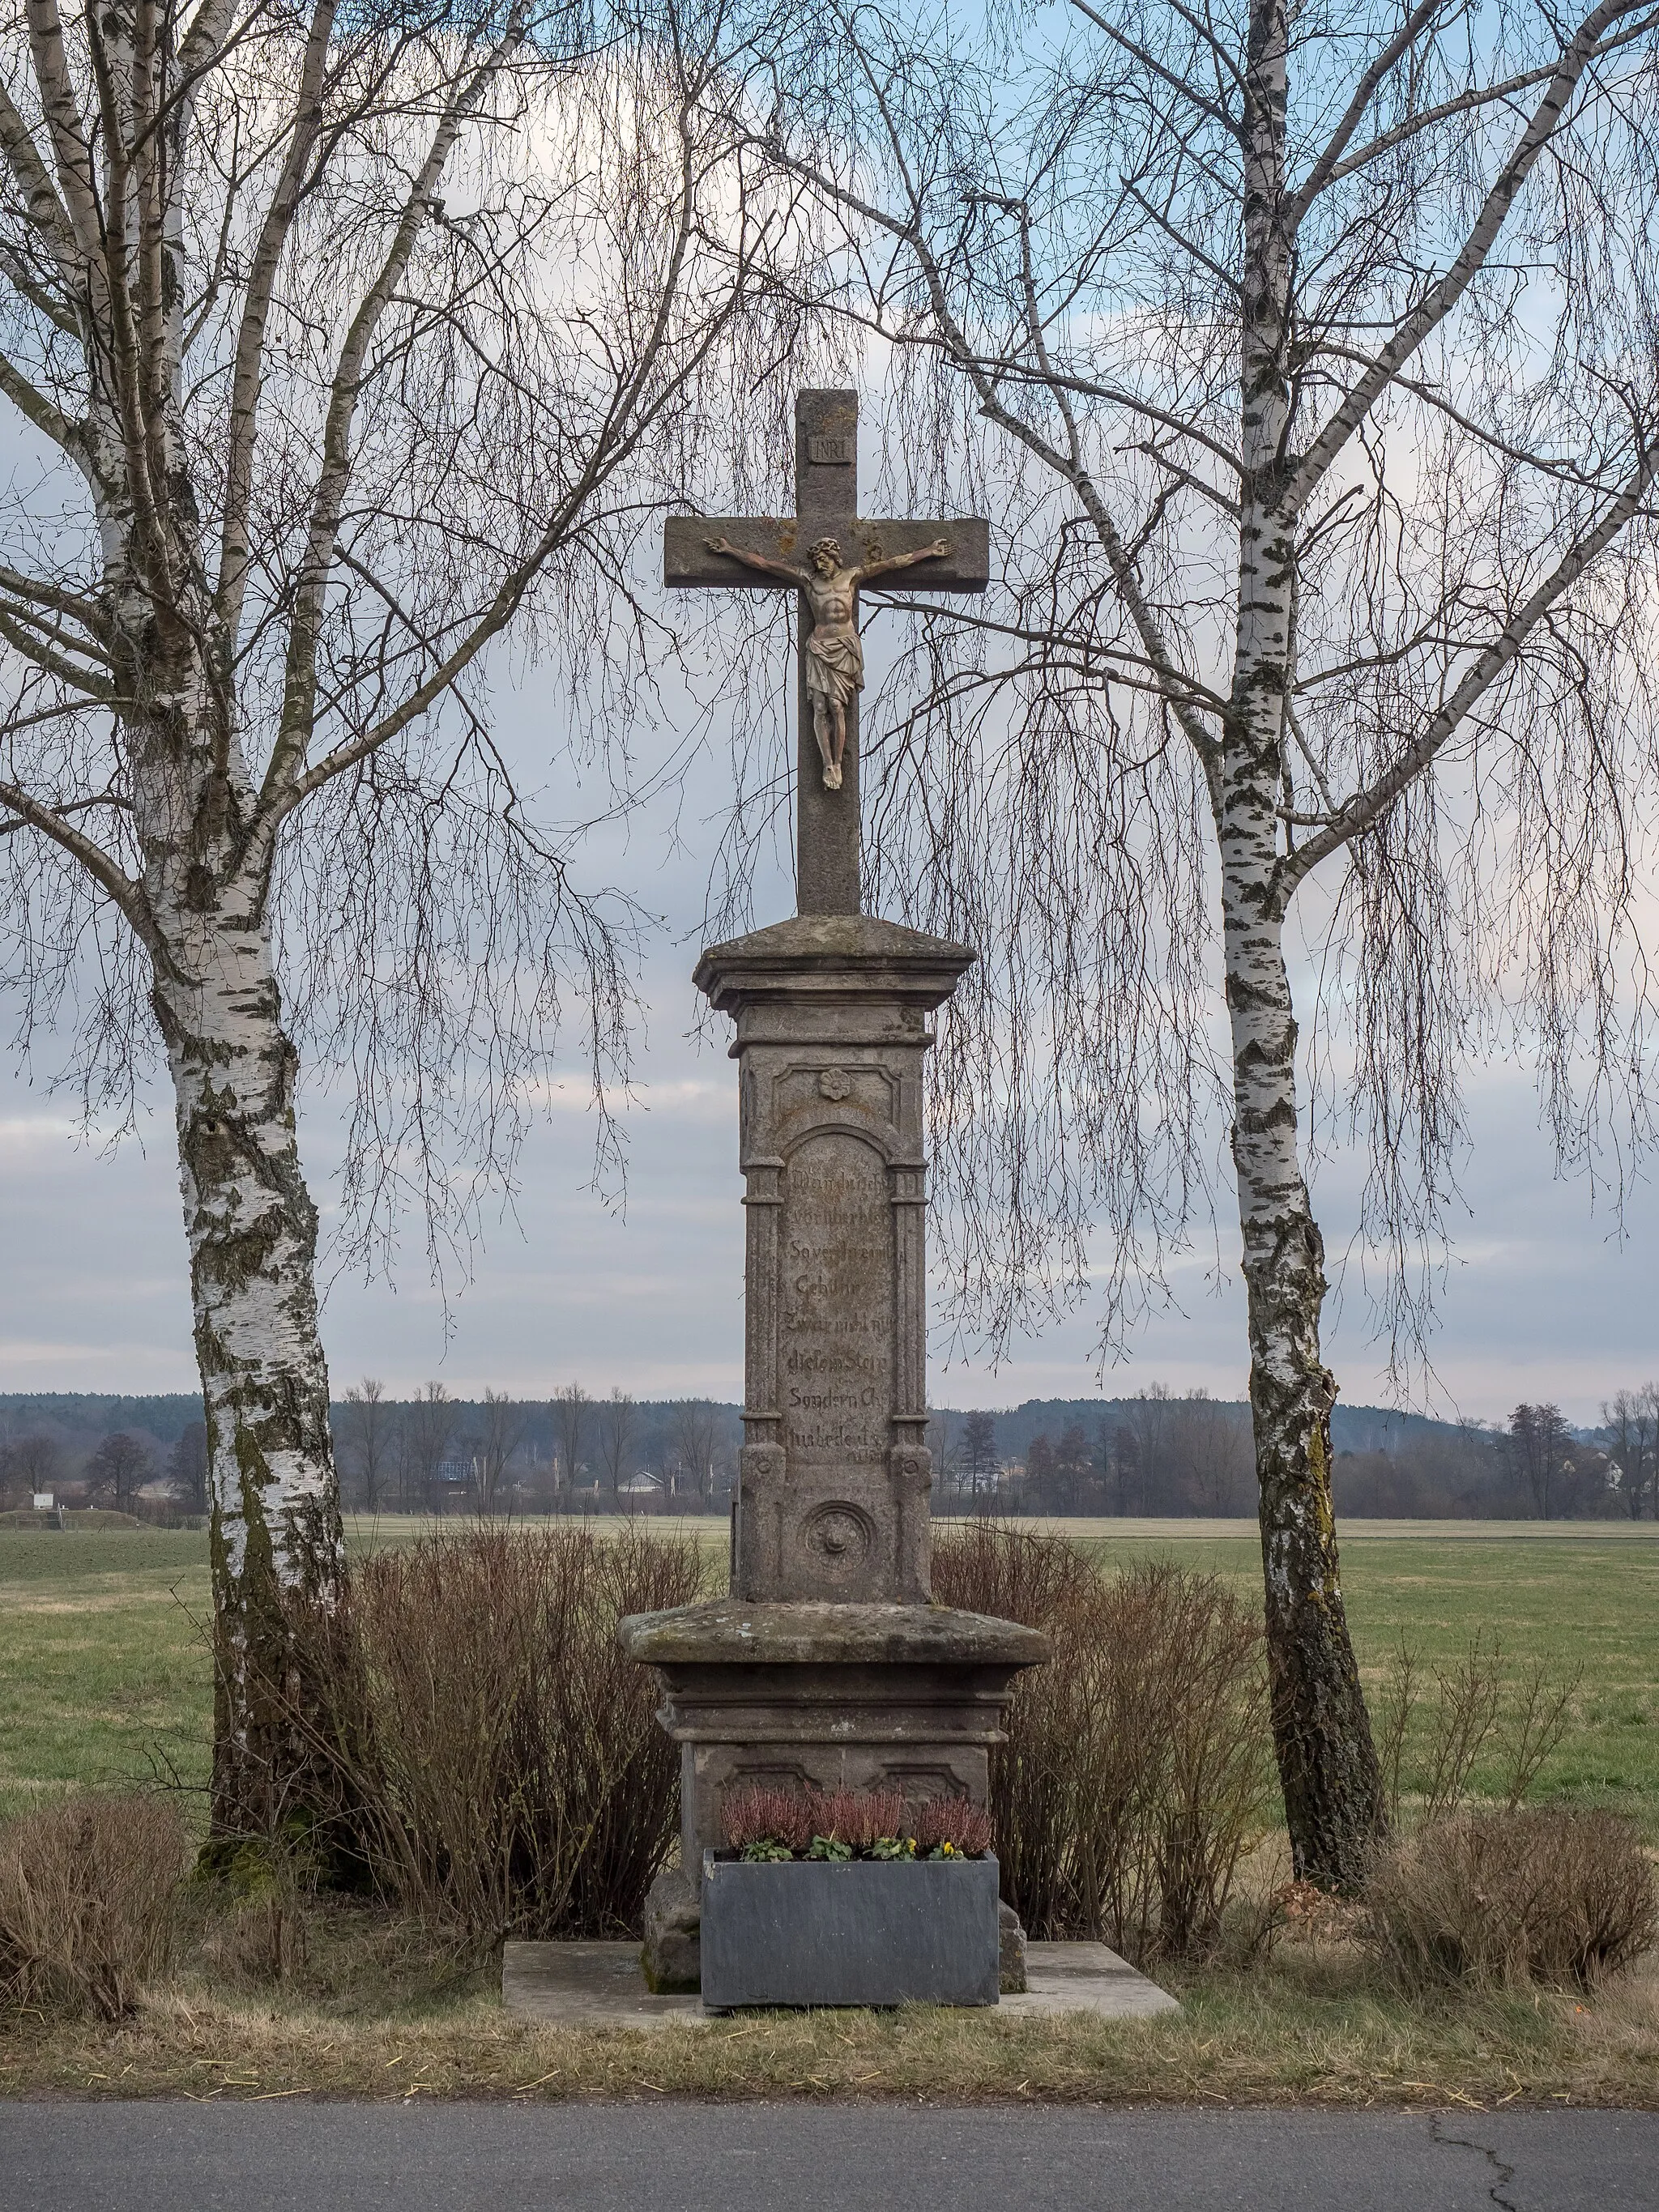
<point>834,652</point>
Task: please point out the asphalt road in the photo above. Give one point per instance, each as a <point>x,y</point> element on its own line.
<point>665,2157</point>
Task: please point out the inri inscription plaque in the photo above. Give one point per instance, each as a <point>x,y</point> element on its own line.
<point>835,1333</point>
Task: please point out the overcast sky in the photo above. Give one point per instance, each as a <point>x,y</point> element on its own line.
<point>1543,1301</point>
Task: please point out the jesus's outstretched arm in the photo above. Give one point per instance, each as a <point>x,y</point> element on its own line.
<point>764,562</point>
<point>939,550</point>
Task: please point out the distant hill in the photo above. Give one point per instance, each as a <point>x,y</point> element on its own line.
<point>1354,1428</point>
<point>1135,1455</point>
<point>81,1418</point>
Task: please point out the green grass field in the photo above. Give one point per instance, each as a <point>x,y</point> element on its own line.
<point>1576,1598</point>
<point>104,1677</point>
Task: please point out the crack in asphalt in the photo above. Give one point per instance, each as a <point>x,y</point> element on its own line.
<point>1504,2174</point>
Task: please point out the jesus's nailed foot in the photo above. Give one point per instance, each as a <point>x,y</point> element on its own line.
<point>832,775</point>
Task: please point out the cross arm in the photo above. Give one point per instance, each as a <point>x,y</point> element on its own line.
<point>688,564</point>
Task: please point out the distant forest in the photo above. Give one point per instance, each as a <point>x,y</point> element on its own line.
<point>1156,1454</point>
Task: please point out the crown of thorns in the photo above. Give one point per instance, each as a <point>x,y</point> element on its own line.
<point>830,545</point>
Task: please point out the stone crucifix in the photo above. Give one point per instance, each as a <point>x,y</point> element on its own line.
<point>826,1663</point>
<point>827,552</point>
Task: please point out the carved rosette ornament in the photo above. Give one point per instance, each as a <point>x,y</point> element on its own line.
<point>840,1537</point>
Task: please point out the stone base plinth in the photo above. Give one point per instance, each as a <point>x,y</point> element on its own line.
<point>820,1695</point>
<point>830,1697</point>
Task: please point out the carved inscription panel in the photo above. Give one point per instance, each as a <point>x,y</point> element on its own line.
<point>836,1313</point>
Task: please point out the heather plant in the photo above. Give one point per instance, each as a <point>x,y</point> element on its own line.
<point>951,1827</point>
<point>767,1822</point>
<point>859,1818</point>
<point>759,1816</point>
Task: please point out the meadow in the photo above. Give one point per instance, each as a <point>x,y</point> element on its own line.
<point>104,1680</point>
<point>104,1677</point>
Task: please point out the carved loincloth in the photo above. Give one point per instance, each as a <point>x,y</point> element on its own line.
<point>834,665</point>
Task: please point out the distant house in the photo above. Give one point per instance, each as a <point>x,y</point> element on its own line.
<point>453,1481</point>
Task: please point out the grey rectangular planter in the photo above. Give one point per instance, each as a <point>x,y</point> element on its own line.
<point>852,1932</point>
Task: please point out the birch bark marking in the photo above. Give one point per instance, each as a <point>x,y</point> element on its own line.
<point>277,1543</point>
<point>276,1540</point>
<point>1327,1763</point>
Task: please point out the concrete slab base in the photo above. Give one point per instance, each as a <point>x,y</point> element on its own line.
<point>601,1985</point>
<point>1061,1977</point>
<point>589,1985</point>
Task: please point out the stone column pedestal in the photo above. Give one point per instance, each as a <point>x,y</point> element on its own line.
<point>827,1664</point>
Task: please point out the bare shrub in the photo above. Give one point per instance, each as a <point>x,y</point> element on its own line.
<point>1136,1772</point>
<point>1468,1710</point>
<point>498,1753</point>
<point>88,1891</point>
<point>1503,1897</point>
<point>1010,1574</point>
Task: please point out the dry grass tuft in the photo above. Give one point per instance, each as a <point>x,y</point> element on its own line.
<point>1502,1898</point>
<point>88,1891</point>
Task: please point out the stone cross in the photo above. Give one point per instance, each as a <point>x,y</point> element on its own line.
<point>827,552</point>
<point>826,1662</point>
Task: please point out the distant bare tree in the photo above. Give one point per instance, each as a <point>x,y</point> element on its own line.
<point>571,1408</point>
<point>118,1470</point>
<point>1310,361</point>
<point>618,1419</point>
<point>1210,1447</point>
<point>187,1466</point>
<point>1648,1427</point>
<point>337,342</point>
<point>1633,1431</point>
<point>696,1441</point>
<point>430,1421</point>
<point>501,1433</point>
<point>977,1464</point>
<point>367,1425</point>
<point>33,1464</point>
<point>1150,1424</point>
<point>1541,1447</point>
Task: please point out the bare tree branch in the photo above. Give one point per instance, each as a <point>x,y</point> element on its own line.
<point>1362,809</point>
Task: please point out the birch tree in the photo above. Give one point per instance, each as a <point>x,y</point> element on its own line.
<point>334,344</point>
<point>1307,358</point>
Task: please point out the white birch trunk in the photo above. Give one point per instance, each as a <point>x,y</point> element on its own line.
<point>276,1545</point>
<point>1327,1759</point>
